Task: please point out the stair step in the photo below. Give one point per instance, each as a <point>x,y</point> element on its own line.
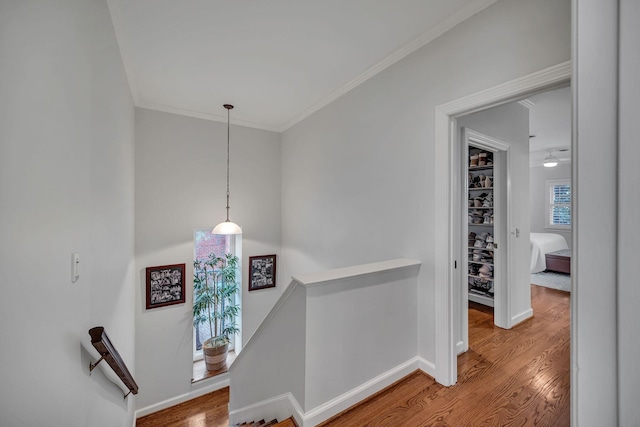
<point>289,422</point>
<point>261,423</point>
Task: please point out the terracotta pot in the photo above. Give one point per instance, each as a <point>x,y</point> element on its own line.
<point>215,358</point>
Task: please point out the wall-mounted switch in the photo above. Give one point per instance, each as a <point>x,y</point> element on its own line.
<point>75,267</point>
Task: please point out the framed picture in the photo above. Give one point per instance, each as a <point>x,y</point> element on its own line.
<point>165,285</point>
<point>262,272</point>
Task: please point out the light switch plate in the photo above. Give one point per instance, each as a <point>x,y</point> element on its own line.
<point>75,267</point>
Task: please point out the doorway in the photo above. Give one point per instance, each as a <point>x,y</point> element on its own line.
<point>446,265</point>
<point>484,220</point>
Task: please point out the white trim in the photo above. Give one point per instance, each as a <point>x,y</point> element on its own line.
<point>502,306</point>
<point>201,391</point>
<point>527,103</point>
<point>285,405</point>
<point>549,78</point>
<point>278,407</point>
<point>440,28</point>
<point>339,274</point>
<point>521,317</point>
<point>446,371</point>
<point>446,368</point>
<point>205,116</point>
<point>435,32</point>
<point>486,142</point>
<point>427,367</point>
<point>548,184</point>
<point>357,394</point>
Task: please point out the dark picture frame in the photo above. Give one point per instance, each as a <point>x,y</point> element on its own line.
<point>165,285</point>
<point>262,272</point>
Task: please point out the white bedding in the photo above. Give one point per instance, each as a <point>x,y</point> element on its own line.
<point>541,244</point>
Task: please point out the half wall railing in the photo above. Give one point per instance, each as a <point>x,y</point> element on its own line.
<point>332,339</point>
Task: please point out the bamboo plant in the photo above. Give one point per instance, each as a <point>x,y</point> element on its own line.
<point>214,288</point>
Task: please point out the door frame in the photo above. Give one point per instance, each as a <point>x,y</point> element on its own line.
<point>446,371</point>
<point>502,200</point>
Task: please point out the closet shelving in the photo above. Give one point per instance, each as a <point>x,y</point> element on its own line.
<point>480,277</point>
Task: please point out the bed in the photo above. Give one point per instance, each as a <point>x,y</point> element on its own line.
<point>541,244</point>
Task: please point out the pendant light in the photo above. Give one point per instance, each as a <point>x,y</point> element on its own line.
<point>227,227</point>
<point>550,161</point>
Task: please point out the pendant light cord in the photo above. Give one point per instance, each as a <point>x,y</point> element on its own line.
<point>228,151</point>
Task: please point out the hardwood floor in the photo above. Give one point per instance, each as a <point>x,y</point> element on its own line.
<point>517,377</point>
<point>209,410</point>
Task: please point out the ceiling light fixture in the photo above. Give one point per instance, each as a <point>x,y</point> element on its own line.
<point>550,161</point>
<point>227,227</point>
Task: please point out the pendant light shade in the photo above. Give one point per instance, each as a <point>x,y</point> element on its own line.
<point>550,161</point>
<point>227,227</point>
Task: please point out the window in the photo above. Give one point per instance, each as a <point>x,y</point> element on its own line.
<point>207,243</point>
<point>558,204</point>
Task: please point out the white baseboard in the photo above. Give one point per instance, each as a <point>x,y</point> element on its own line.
<point>460,347</point>
<point>427,367</point>
<point>521,317</point>
<point>286,405</point>
<point>279,407</point>
<point>356,395</point>
<point>182,398</point>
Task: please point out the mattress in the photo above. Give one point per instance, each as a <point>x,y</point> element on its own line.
<point>541,244</point>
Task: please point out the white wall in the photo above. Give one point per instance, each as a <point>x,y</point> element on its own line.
<point>628,208</point>
<point>66,185</point>
<point>279,349</point>
<point>372,329</point>
<point>510,123</point>
<point>538,193</point>
<point>180,186</point>
<point>304,362</point>
<point>364,163</point>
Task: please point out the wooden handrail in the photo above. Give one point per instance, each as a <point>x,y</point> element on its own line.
<point>108,352</point>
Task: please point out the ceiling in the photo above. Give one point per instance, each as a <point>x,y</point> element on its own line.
<point>550,122</point>
<point>277,61</point>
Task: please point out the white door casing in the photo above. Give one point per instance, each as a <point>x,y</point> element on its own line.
<point>502,307</point>
<point>445,148</point>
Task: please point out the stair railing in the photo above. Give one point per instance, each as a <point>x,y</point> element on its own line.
<point>101,342</point>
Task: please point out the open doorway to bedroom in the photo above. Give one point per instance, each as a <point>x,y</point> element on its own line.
<point>550,188</point>
<point>524,328</point>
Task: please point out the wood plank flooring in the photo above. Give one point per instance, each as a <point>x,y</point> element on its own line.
<point>210,410</point>
<point>517,377</point>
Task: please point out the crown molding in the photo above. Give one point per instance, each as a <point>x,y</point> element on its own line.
<point>204,116</point>
<point>450,22</point>
<point>527,103</point>
<point>433,33</point>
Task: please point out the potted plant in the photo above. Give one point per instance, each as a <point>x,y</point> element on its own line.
<point>214,290</point>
